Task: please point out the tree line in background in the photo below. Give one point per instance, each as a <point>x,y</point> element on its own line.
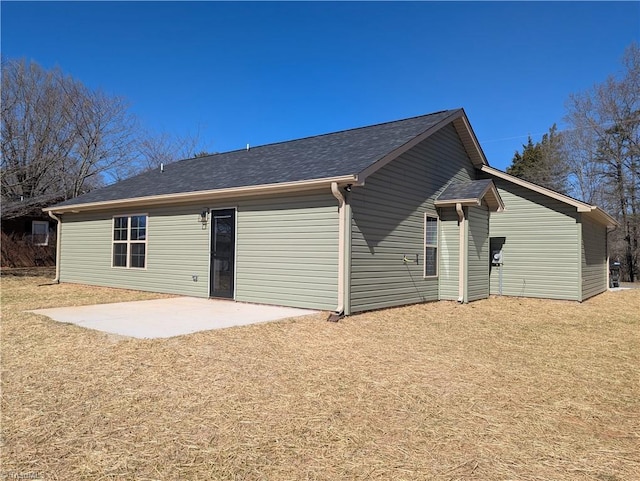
<point>597,158</point>
<point>61,139</point>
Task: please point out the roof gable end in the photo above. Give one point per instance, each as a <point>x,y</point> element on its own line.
<point>472,194</point>
<point>463,129</point>
<point>598,214</point>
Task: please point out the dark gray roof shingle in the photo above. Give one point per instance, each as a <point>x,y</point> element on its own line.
<point>464,190</point>
<point>329,155</point>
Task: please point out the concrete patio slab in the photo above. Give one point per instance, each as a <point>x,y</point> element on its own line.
<point>161,318</point>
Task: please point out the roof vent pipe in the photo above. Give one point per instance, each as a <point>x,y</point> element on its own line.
<point>247,147</point>
<point>161,167</point>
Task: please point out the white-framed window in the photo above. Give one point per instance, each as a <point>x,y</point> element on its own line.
<point>130,241</point>
<point>40,232</point>
<point>430,245</point>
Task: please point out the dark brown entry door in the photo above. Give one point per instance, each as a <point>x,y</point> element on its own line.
<point>223,234</point>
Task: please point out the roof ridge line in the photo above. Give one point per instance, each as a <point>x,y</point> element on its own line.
<point>324,134</point>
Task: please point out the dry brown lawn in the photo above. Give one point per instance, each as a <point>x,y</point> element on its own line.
<point>502,389</point>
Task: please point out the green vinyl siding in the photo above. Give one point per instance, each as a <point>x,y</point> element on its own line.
<point>477,254</point>
<point>593,258</point>
<point>540,251</point>
<point>388,222</point>
<point>449,254</point>
<point>177,249</point>
<point>287,251</point>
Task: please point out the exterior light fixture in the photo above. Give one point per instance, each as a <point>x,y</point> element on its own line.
<point>204,218</point>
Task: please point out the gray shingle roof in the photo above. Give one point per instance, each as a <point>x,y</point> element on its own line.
<point>465,190</point>
<point>471,192</point>
<point>12,209</point>
<point>330,155</point>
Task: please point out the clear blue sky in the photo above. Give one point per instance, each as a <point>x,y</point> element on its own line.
<point>262,72</point>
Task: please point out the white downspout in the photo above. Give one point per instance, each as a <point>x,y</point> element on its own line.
<point>608,266</point>
<point>462,255</point>
<point>335,190</point>
<point>58,241</point>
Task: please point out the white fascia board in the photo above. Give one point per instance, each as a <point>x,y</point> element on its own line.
<point>475,201</point>
<point>453,202</point>
<point>599,215</point>
<point>496,196</point>
<point>470,141</point>
<point>581,206</point>
<point>592,210</point>
<point>183,197</point>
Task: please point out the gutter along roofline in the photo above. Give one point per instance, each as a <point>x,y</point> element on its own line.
<point>455,117</point>
<point>206,195</point>
<point>596,212</point>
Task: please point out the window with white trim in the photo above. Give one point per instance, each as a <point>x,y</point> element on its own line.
<point>130,241</point>
<point>40,232</point>
<point>430,246</point>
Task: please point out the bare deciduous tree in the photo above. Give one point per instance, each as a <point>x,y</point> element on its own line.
<point>58,136</point>
<point>604,152</point>
<point>61,139</point>
<point>165,148</point>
